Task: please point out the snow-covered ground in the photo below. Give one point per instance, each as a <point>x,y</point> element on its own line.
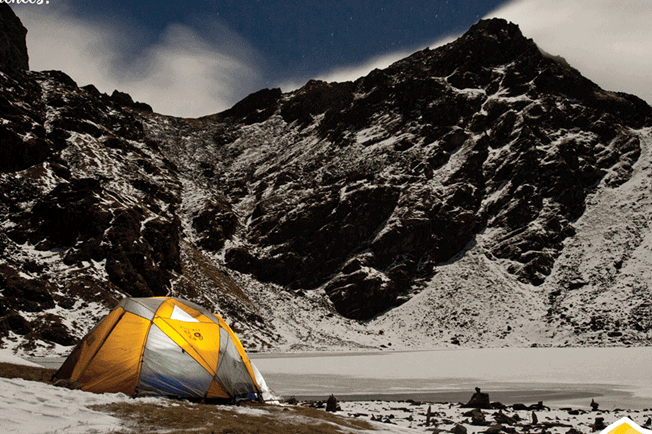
<point>376,387</point>
<point>34,407</point>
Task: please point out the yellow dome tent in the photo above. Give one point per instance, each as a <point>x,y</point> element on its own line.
<point>163,346</point>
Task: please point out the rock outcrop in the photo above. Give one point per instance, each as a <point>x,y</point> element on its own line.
<point>13,44</point>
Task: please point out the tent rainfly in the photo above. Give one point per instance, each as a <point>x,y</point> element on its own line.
<point>163,346</point>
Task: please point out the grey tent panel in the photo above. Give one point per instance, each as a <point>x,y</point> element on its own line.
<point>169,371</point>
<point>231,372</point>
<point>143,307</point>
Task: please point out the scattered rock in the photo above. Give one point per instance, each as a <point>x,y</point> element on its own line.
<point>477,417</point>
<point>494,429</point>
<point>479,400</point>
<point>538,406</point>
<point>332,405</point>
<point>16,323</point>
<point>502,418</point>
<point>598,425</point>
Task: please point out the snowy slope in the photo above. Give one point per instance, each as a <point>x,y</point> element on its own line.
<point>473,301</point>
<point>604,273</point>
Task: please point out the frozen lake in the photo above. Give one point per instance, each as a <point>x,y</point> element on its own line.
<point>614,377</point>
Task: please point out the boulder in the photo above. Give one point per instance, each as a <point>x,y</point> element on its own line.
<point>598,425</point>
<point>479,400</point>
<point>331,404</point>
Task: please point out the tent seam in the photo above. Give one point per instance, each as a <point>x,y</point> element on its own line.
<point>142,354</point>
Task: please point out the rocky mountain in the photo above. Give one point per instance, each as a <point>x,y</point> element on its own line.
<point>482,193</point>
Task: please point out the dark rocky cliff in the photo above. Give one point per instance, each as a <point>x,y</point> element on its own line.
<point>359,191</point>
<point>13,44</point>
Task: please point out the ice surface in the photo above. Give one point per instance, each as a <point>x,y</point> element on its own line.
<point>620,376</point>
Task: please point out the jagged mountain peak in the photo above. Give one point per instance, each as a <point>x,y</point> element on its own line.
<point>338,207</point>
<point>488,43</point>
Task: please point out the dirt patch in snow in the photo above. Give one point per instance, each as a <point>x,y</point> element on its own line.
<point>182,417</point>
<point>31,373</point>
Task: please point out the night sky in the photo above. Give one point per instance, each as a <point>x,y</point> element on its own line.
<point>199,57</point>
<point>304,38</point>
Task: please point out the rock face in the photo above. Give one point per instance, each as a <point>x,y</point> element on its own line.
<point>13,45</point>
<point>346,198</point>
<point>364,188</point>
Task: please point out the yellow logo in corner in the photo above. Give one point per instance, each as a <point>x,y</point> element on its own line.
<point>624,426</point>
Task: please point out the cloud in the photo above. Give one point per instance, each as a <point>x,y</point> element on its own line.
<point>353,72</point>
<point>183,73</point>
<point>607,41</point>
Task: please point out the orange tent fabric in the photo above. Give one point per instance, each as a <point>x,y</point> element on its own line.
<point>162,346</point>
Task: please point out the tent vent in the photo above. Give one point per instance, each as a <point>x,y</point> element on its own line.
<point>180,315</point>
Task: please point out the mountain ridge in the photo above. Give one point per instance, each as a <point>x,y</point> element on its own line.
<point>333,215</point>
